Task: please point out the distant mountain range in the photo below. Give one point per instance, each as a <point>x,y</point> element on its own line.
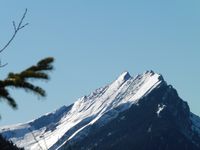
<point>131,113</point>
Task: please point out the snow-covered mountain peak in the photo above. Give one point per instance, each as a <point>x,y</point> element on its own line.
<point>102,105</point>
<point>124,77</point>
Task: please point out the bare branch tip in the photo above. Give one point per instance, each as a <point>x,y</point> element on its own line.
<point>16,29</point>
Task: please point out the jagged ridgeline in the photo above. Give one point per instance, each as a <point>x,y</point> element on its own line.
<point>141,112</point>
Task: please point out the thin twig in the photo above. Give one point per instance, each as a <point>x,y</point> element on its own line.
<point>16,29</point>
<point>2,65</point>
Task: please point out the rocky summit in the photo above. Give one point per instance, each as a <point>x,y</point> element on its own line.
<point>131,113</point>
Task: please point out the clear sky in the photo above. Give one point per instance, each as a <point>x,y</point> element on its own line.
<point>94,41</point>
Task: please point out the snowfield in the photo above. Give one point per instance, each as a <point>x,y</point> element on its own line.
<point>54,129</point>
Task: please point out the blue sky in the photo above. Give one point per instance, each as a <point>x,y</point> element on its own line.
<point>95,41</point>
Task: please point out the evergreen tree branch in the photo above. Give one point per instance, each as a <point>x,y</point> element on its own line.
<point>6,96</point>
<point>42,65</point>
<point>21,80</point>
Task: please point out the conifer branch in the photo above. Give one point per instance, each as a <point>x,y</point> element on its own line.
<point>21,80</point>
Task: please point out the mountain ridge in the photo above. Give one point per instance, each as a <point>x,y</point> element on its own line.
<point>72,124</point>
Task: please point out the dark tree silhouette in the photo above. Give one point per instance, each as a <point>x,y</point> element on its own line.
<point>7,145</point>
<point>21,80</point>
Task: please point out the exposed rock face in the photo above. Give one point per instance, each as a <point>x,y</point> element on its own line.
<point>131,113</point>
<point>160,121</point>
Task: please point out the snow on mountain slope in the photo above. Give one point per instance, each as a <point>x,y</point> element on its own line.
<point>67,122</point>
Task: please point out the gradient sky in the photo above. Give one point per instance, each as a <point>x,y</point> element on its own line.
<point>94,41</point>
